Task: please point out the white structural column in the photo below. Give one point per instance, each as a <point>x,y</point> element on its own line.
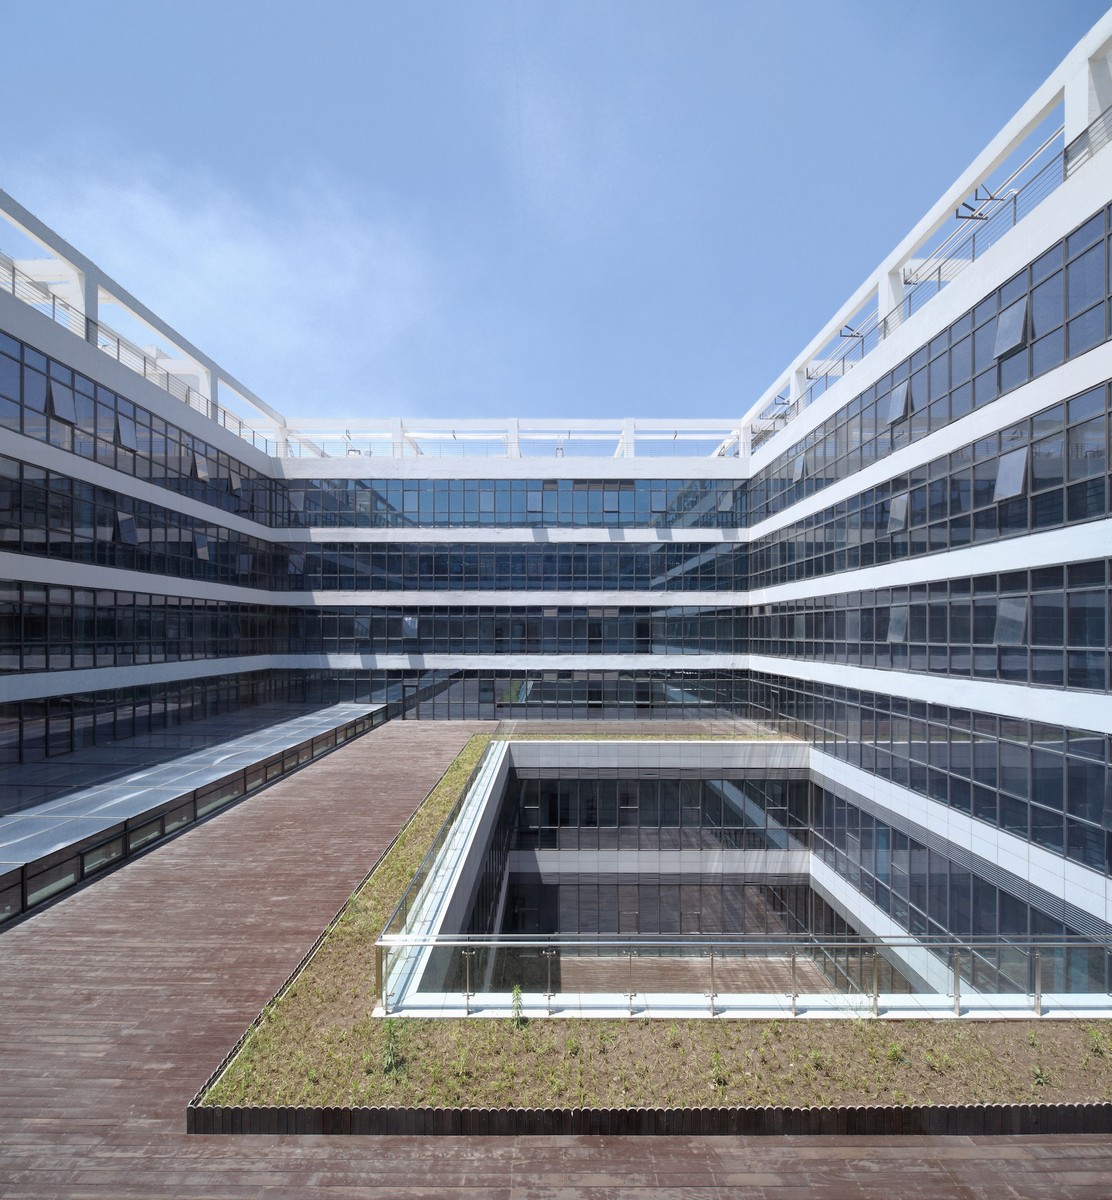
<point>1088,91</point>
<point>90,295</point>
<point>889,298</point>
<point>210,381</point>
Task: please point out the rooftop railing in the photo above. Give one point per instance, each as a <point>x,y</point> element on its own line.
<point>525,438</point>
<point>987,220</point>
<point>978,229</point>
<point>43,299</point>
<point>1041,173</point>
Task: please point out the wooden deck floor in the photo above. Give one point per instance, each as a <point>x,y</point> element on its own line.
<point>117,1002</point>
<point>681,730</point>
<point>649,974</point>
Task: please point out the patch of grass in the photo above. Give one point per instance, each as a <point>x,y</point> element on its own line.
<point>626,1063</point>
<point>318,1044</point>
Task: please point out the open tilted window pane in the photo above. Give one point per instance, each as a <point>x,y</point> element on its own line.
<point>1011,329</point>
<point>897,402</point>
<point>897,514</point>
<point>126,530</point>
<point>1011,622</point>
<point>62,404</point>
<point>1011,474</point>
<point>125,433</point>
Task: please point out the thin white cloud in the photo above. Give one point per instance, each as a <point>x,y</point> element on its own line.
<point>300,299</point>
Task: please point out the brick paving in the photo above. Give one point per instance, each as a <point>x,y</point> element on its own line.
<point>117,1002</point>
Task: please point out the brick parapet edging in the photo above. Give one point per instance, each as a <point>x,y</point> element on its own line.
<point>968,1120</point>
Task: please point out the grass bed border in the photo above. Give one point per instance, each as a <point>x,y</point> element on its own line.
<point>966,1120</point>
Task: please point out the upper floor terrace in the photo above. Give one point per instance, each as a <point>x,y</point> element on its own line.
<point>1055,135</point>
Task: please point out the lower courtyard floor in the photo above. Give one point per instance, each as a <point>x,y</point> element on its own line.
<point>119,1001</point>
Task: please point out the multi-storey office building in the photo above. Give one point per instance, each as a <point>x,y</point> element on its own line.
<point>899,554</point>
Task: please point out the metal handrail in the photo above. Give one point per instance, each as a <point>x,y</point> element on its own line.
<point>985,210</point>
<point>989,229</point>
<point>106,339</point>
<point>1086,144</point>
<point>626,942</point>
<point>992,217</point>
<point>989,221</point>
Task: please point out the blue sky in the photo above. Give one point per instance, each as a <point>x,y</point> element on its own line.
<point>489,209</point>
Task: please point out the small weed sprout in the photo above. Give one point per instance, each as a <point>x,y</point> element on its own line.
<point>1096,1042</point>
<point>392,1061</point>
<point>1042,1076</point>
<point>517,1007</point>
<point>718,1071</point>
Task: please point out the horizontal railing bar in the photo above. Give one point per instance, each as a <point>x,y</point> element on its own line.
<point>738,941</point>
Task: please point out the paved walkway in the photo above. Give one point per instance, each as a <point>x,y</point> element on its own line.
<point>116,1003</point>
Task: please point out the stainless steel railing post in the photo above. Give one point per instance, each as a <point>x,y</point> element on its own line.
<point>549,956</point>
<point>468,955</point>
